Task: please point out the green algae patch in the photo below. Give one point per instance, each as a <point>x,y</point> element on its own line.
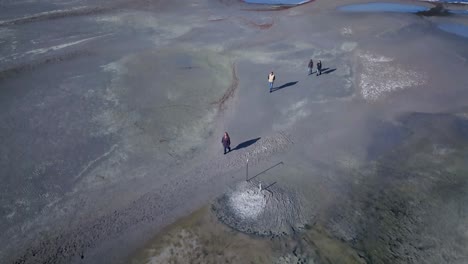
<point>201,238</point>
<point>328,249</point>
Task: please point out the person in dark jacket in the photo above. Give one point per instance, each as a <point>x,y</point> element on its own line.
<point>226,140</point>
<point>310,66</point>
<point>319,68</point>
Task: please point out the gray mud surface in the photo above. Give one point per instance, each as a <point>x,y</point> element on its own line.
<point>260,210</point>
<point>112,112</point>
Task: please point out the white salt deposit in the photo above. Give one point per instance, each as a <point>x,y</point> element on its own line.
<point>348,46</point>
<point>15,56</point>
<point>247,204</point>
<point>62,46</point>
<point>270,212</point>
<point>43,14</point>
<point>346,31</point>
<point>374,58</point>
<point>381,76</point>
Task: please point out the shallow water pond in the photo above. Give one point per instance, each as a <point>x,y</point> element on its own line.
<point>383,7</point>
<point>459,12</point>
<point>277,2</point>
<point>457,29</point>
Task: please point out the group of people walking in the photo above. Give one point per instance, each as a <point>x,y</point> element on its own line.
<point>311,67</point>
<point>226,140</point>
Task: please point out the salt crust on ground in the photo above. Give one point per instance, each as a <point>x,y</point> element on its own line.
<point>247,204</point>
<point>271,212</point>
<point>381,76</point>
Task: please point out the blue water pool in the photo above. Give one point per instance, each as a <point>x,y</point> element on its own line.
<point>383,7</point>
<point>459,12</point>
<point>277,2</point>
<point>453,1</point>
<point>457,29</point>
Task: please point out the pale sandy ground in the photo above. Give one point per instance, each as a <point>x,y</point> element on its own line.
<point>112,115</point>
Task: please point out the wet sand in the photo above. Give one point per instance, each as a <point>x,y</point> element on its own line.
<point>112,115</point>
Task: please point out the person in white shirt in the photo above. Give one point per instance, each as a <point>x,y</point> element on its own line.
<point>271,80</point>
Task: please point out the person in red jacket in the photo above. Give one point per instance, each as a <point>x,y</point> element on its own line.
<point>226,140</point>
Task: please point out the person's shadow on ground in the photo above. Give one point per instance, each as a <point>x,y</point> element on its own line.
<point>246,144</point>
<point>274,89</point>
<point>327,71</point>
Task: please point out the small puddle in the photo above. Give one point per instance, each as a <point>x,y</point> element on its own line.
<point>277,2</point>
<point>457,29</point>
<point>384,7</point>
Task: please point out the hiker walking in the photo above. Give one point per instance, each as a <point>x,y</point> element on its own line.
<point>310,66</point>
<point>226,140</point>
<point>271,79</point>
<point>319,68</point>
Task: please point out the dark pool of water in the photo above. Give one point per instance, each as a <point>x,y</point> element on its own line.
<point>277,2</point>
<point>457,29</point>
<point>383,7</point>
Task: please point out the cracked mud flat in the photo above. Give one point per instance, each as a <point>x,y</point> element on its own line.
<point>112,114</point>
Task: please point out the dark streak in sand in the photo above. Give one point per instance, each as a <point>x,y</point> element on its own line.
<point>28,67</point>
<point>230,91</point>
<point>216,19</point>
<point>262,26</point>
<point>57,15</point>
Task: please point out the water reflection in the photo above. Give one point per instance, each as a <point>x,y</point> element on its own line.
<point>383,7</point>
<point>277,2</point>
<point>459,12</point>
<point>457,29</point>
<point>450,1</point>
